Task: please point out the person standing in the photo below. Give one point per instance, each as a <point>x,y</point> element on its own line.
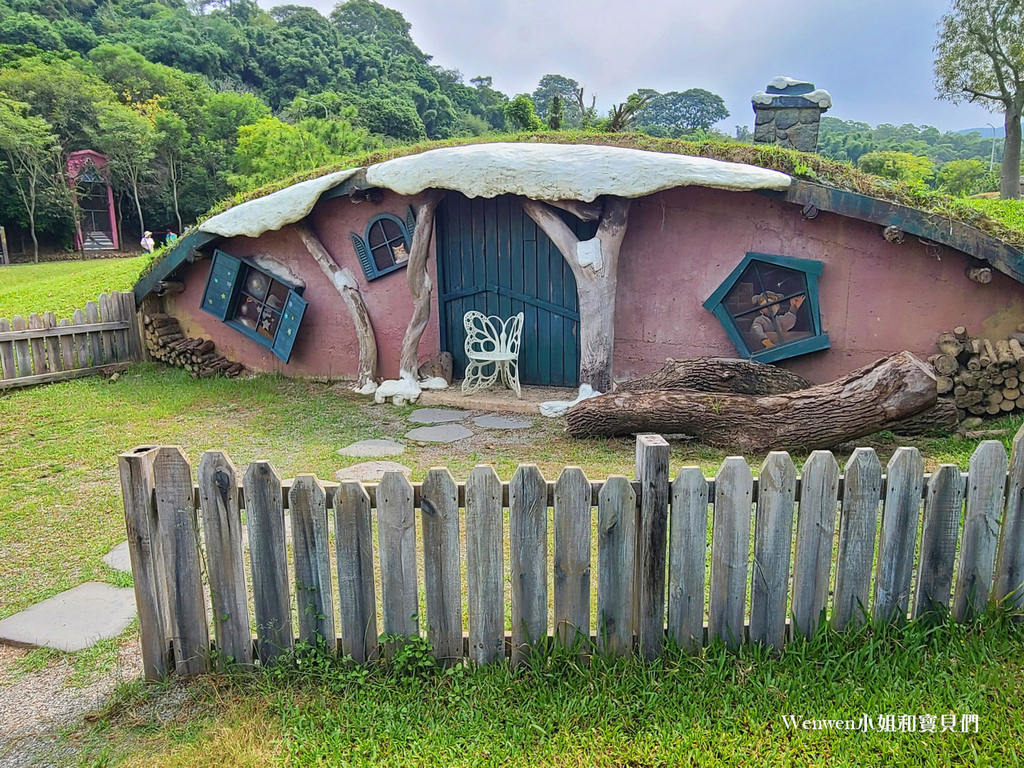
<point>147,241</point>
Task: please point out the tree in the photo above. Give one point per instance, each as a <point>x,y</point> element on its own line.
<point>899,166</point>
<point>565,89</point>
<point>962,177</point>
<point>682,112</point>
<point>555,114</point>
<point>521,114</point>
<point>980,58</point>
<point>128,138</point>
<point>271,149</point>
<point>31,149</point>
<point>623,115</point>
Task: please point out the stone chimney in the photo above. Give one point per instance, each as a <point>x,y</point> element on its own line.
<point>788,114</point>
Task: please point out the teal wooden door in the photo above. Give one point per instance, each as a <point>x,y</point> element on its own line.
<point>493,258</point>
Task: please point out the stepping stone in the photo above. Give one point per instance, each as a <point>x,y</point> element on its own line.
<point>370,471</point>
<point>373,448</point>
<point>73,620</point>
<point>445,433</point>
<point>436,415</point>
<point>118,558</point>
<point>501,422</point>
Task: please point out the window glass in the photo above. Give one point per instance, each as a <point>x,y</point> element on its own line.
<point>260,303</point>
<point>769,306</point>
<point>386,241</point>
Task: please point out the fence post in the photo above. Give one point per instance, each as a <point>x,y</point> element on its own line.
<point>137,486</point>
<point>652,529</point>
<point>904,484</point>
<point>773,537</point>
<point>528,560</point>
<point>572,557</point>
<point>485,575</point>
<point>442,566</point>
<point>1009,578</point>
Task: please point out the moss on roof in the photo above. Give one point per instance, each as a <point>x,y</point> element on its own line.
<point>1004,223</point>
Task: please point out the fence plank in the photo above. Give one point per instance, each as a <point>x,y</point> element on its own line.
<point>687,556</point>
<point>39,363</point>
<point>311,549</point>
<point>7,366</point>
<point>616,550</point>
<point>81,342</point>
<point>137,485</point>
<point>1008,584</point>
<point>268,560</point>
<point>52,343</point>
<point>96,351</point>
<point>120,338</point>
<point>485,570</point>
<point>944,500</point>
<point>67,349</point>
<point>133,336</point>
<point>222,531</point>
<point>22,355</point>
<point>396,532</point>
<point>528,550</point>
<point>858,523</point>
<point>179,540</point>
<point>815,531</point>
<point>652,528</point>
<point>730,543</point>
<point>107,337</point>
<point>357,602</point>
<point>572,557</point>
<point>904,481</point>
<point>773,540</point>
<point>442,564</point>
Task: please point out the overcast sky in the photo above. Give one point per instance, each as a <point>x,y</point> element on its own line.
<point>874,56</point>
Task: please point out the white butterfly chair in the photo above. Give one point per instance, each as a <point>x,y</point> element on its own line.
<point>491,341</point>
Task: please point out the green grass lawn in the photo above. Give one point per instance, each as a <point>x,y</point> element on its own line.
<point>62,287</point>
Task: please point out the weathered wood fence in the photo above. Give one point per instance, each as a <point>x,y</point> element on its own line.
<point>770,570</point>
<point>104,336</point>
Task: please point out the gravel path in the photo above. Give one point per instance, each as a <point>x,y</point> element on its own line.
<point>36,706</point>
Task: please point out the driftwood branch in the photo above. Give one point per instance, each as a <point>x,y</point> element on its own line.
<point>862,402</point>
<point>345,283</point>
<point>419,283</point>
<point>595,283</point>
<point>581,210</point>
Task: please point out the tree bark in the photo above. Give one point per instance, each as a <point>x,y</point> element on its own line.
<point>419,284</point>
<point>941,419</point>
<point>823,416</point>
<point>345,283</point>
<point>1009,169</point>
<point>718,374</point>
<point>596,283</point>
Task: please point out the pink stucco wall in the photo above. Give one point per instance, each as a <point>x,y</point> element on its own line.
<point>876,297</point>
<point>327,345</point>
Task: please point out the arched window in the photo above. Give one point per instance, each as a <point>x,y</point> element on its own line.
<point>769,307</point>
<point>385,245</point>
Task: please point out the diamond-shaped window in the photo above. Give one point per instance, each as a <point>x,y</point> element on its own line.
<point>769,307</point>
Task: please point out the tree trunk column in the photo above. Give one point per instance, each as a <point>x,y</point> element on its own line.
<point>1009,184</point>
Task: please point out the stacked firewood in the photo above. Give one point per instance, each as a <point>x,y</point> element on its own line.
<point>167,342</point>
<point>985,377</point>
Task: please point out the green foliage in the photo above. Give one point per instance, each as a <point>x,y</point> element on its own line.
<point>1008,212</point>
<point>674,114</point>
<point>980,58</point>
<point>521,114</point>
<point>964,177</point>
<point>623,115</point>
<point>898,166</point>
<point>567,90</point>
<point>555,113</point>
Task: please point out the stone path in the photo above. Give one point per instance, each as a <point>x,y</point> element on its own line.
<point>118,558</point>
<point>501,422</point>
<point>436,415</point>
<point>443,433</point>
<point>373,449</point>
<point>72,620</point>
<point>370,471</point>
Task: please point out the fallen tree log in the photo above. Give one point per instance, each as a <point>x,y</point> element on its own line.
<point>864,401</point>
<point>941,419</point>
<point>718,374</point>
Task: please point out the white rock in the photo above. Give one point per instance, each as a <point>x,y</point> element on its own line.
<point>286,206</point>
<point>588,254</point>
<point>559,407</point>
<point>781,82</point>
<point>562,172</point>
<point>401,391</point>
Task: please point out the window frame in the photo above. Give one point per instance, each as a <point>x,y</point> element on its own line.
<point>811,269</point>
<point>365,254</point>
<point>234,297</point>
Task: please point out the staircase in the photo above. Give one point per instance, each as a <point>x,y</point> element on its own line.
<point>98,241</point>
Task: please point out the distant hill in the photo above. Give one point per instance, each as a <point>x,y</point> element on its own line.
<point>986,132</point>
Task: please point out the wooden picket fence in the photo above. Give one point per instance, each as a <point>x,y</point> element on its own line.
<point>102,337</point>
<point>769,585</point>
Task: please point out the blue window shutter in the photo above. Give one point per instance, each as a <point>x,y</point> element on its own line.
<point>221,284</point>
<point>364,256</point>
<point>291,318</point>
